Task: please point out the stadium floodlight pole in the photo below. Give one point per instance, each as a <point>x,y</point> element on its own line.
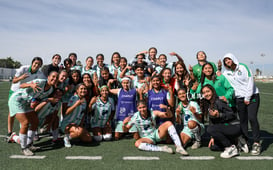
<point>262,55</point>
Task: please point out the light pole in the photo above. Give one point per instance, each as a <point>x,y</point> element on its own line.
<point>262,55</point>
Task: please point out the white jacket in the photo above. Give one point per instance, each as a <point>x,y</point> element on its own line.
<point>241,79</point>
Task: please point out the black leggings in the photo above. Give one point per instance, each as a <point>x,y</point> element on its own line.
<point>224,135</point>
<point>249,112</point>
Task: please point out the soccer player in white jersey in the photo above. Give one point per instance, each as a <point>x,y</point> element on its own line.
<point>19,106</point>
<point>145,123</point>
<point>72,121</point>
<point>104,110</point>
<point>24,74</point>
<point>192,126</point>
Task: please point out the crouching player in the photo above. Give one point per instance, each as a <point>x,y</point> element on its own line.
<point>73,118</point>
<point>192,126</point>
<point>104,110</point>
<point>144,120</point>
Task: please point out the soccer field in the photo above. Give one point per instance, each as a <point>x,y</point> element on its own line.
<point>123,155</point>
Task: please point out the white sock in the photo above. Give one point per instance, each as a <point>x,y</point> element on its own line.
<point>149,147</point>
<point>23,140</point>
<point>196,133</point>
<point>55,134</point>
<point>16,139</point>
<point>68,136</point>
<point>173,134</point>
<point>107,137</point>
<point>30,136</point>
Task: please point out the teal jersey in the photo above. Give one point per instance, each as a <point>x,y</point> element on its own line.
<point>76,67</point>
<point>47,110</point>
<point>221,86</point>
<point>136,83</point>
<point>128,72</point>
<point>197,70</point>
<point>19,101</point>
<point>112,69</point>
<point>76,115</point>
<point>90,72</point>
<point>145,127</point>
<point>188,115</point>
<point>102,112</point>
<point>158,68</point>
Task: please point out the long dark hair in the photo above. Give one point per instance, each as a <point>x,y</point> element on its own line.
<point>205,104</point>
<point>203,76</point>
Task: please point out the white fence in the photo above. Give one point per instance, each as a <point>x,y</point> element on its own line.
<point>7,73</point>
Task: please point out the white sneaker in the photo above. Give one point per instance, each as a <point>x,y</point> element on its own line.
<point>256,149</point>
<point>181,150</point>
<point>196,144</point>
<point>165,148</point>
<point>9,138</point>
<point>67,143</point>
<point>230,152</point>
<point>244,148</point>
<point>27,152</point>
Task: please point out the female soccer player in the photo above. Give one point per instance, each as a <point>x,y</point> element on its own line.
<point>113,68</point>
<point>224,127</point>
<point>144,122</point>
<point>192,126</point>
<point>19,105</point>
<point>103,107</point>
<point>72,121</point>
<point>24,74</point>
<point>127,99</point>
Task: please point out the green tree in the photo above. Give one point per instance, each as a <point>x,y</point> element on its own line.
<point>9,63</point>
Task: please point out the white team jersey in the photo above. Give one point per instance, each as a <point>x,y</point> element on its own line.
<point>31,76</point>
<point>188,115</point>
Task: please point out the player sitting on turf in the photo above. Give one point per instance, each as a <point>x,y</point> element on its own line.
<point>144,120</point>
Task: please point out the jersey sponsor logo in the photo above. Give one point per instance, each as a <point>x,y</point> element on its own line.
<point>156,98</point>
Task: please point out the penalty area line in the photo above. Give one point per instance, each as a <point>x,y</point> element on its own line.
<point>141,158</point>
<point>84,157</point>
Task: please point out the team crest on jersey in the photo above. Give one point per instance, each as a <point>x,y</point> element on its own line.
<point>239,73</point>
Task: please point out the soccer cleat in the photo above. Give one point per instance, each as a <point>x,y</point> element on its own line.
<point>196,144</point>
<point>256,149</point>
<point>181,150</point>
<point>27,152</point>
<point>67,143</point>
<point>33,148</point>
<point>230,152</point>
<point>165,148</point>
<point>9,138</point>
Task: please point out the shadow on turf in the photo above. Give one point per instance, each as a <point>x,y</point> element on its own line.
<point>48,145</point>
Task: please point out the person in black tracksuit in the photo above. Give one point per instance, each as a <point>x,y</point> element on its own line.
<point>224,127</point>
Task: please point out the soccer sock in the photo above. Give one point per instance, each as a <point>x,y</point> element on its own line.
<point>55,134</point>
<point>16,139</point>
<point>173,134</point>
<point>23,140</point>
<point>30,136</point>
<point>196,133</point>
<point>149,147</point>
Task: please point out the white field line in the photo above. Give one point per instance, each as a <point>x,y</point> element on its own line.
<point>26,157</point>
<point>254,157</point>
<point>145,158</point>
<point>84,157</point>
<point>197,157</point>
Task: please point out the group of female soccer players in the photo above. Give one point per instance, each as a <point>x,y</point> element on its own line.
<point>155,101</point>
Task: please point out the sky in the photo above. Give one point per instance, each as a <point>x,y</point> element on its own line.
<point>44,27</point>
